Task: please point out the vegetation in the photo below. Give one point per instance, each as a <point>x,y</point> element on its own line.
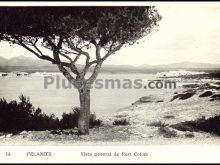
<point>208,75</point>
<point>72,33</point>
<point>167,133</point>
<point>121,122</point>
<point>157,124</point>
<point>211,125</point>
<point>70,120</point>
<point>183,96</point>
<point>22,115</point>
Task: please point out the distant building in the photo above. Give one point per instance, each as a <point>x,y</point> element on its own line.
<point>177,73</point>
<point>45,74</point>
<point>18,73</point>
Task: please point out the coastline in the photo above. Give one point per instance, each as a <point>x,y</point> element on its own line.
<point>145,123</point>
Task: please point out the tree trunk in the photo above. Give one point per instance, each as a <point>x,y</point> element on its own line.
<point>83,123</point>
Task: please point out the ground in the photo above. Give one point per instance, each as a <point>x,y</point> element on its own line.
<point>149,124</point>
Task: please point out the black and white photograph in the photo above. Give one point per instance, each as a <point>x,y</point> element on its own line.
<point>109,74</point>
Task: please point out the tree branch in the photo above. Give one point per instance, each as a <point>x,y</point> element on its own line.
<point>67,52</point>
<point>34,45</point>
<point>76,58</point>
<point>72,64</point>
<point>78,50</point>
<point>94,75</point>
<point>112,51</point>
<point>93,62</point>
<point>59,45</point>
<point>64,70</point>
<point>98,56</point>
<point>43,57</point>
<point>100,60</point>
<point>50,42</point>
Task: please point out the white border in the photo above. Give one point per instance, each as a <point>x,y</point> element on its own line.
<point>156,154</point>
<point>98,3</point>
<point>72,154</point>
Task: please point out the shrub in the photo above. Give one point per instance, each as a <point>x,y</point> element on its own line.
<point>93,121</point>
<point>166,132</point>
<point>70,120</point>
<point>121,122</point>
<point>211,125</point>
<point>18,116</point>
<point>189,135</point>
<point>157,124</point>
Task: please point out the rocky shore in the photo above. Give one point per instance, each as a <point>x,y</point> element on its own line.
<point>169,118</point>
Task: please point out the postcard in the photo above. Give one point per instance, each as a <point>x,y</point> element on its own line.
<point>109,82</point>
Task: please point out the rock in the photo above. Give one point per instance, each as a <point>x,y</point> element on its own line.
<point>191,86</point>
<point>143,135</point>
<point>206,94</point>
<point>215,97</point>
<point>8,135</point>
<point>202,86</point>
<point>217,83</point>
<point>189,135</point>
<point>58,132</point>
<point>23,132</point>
<point>169,117</point>
<point>209,86</point>
<point>3,136</point>
<point>183,96</point>
<point>148,99</point>
<point>190,91</point>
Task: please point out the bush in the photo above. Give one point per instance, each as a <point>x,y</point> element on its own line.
<point>211,125</point>
<point>157,124</point>
<point>166,132</point>
<point>70,120</point>
<point>93,121</point>
<point>121,122</point>
<point>19,116</point>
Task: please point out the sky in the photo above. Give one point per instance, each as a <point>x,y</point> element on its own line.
<point>187,32</point>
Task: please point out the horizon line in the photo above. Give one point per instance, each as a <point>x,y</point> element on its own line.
<point>122,64</point>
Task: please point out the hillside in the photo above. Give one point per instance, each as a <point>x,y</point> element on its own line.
<point>189,65</point>
<point>2,61</point>
<point>22,63</point>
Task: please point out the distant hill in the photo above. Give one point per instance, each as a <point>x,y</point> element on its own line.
<point>2,61</point>
<point>22,63</point>
<point>145,66</point>
<point>189,65</point>
<point>25,61</point>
